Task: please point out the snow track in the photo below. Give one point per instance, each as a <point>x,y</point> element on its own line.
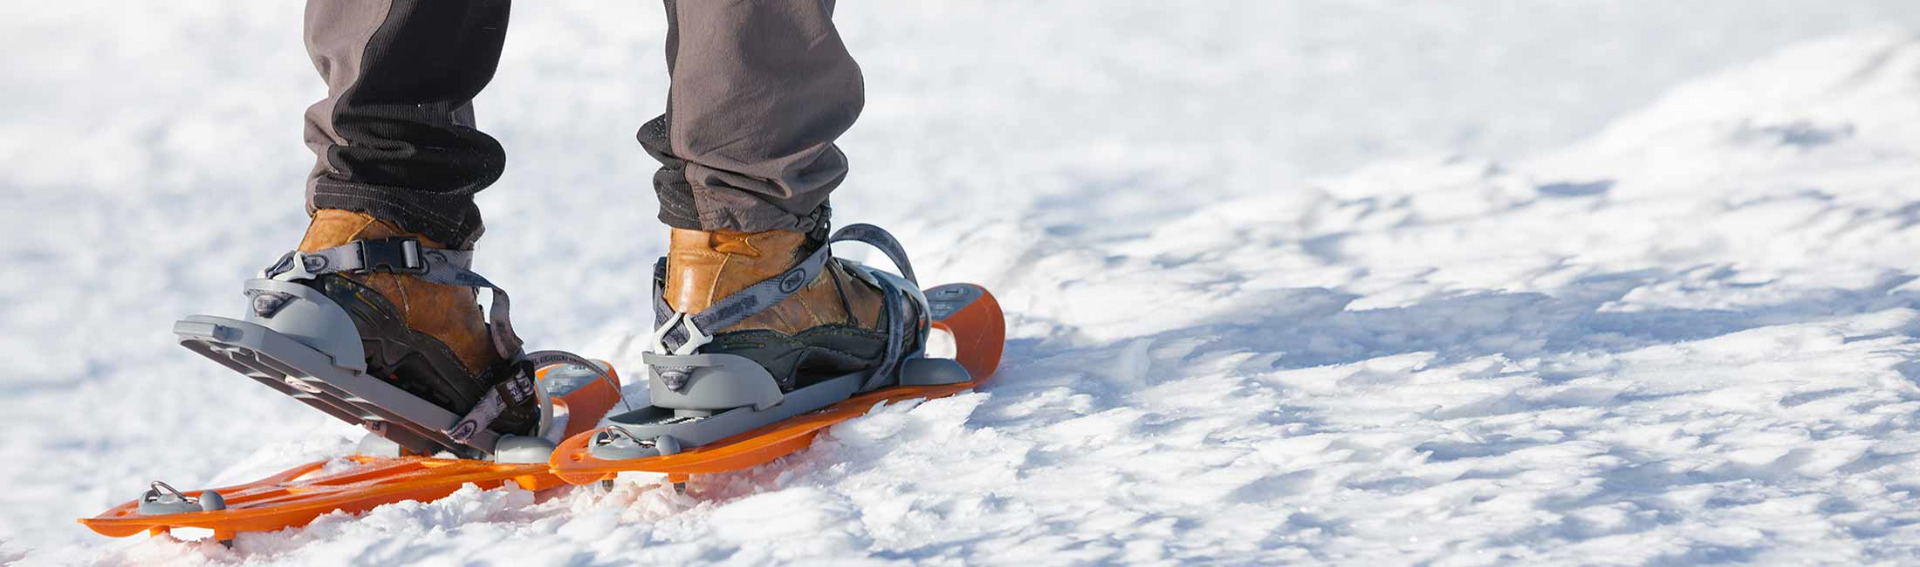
<point>1363,284</point>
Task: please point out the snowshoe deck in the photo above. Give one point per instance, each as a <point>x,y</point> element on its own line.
<point>297,495</point>
<point>965,312</point>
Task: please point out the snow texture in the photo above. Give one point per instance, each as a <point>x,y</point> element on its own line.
<point>1369,283</point>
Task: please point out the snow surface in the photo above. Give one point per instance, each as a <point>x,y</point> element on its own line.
<point>1318,282</point>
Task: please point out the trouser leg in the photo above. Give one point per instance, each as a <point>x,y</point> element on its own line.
<point>395,136</point>
<point>760,91</point>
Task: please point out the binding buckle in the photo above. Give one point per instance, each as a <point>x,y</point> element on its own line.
<point>657,340</point>
<point>398,255</point>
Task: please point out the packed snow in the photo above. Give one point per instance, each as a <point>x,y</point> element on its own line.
<point>1370,283</point>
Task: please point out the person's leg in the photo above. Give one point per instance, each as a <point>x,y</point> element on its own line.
<point>760,91</point>
<point>395,136</point>
<point>398,158</point>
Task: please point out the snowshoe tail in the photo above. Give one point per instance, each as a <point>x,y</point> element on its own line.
<point>294,497</point>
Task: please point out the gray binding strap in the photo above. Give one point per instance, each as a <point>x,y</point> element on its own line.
<point>402,255</point>
<point>398,255</point>
<point>898,305</point>
<point>518,388</point>
<point>510,391</point>
<point>738,306</point>
<point>662,312</point>
<point>898,301</point>
<point>880,239</point>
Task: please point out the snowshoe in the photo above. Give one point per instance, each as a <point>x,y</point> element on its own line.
<point>716,411</point>
<point>338,346</point>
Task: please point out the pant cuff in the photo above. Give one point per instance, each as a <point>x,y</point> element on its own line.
<point>452,221</point>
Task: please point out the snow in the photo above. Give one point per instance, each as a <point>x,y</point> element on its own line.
<point>1306,282</point>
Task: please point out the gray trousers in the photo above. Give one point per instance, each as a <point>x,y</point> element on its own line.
<point>760,89</point>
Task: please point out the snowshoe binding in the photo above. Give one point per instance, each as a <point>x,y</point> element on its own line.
<point>729,400</point>
<point>318,331</point>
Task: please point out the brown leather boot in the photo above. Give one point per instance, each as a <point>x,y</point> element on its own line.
<point>831,326</point>
<point>429,339</point>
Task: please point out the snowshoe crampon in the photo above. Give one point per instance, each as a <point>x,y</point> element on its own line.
<point>713,413</point>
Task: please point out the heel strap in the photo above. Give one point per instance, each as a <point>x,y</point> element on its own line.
<point>517,388</point>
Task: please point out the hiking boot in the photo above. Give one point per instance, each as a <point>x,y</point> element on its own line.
<point>831,326</point>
